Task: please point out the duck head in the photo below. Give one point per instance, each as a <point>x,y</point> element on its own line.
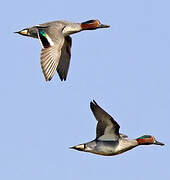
<point>92,24</point>
<point>147,140</point>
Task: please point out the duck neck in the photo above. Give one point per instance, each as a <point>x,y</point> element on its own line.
<point>125,145</point>
<point>71,29</point>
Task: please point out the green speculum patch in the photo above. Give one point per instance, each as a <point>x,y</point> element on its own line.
<point>43,37</point>
<point>43,33</point>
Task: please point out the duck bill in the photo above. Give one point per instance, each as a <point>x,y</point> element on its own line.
<point>23,32</point>
<point>104,26</point>
<point>159,143</point>
<point>79,147</point>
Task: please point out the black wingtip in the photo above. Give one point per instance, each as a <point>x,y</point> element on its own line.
<point>62,79</point>
<point>61,75</point>
<point>93,104</point>
<point>47,79</point>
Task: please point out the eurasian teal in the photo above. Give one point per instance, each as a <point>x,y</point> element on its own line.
<point>56,43</point>
<point>108,140</point>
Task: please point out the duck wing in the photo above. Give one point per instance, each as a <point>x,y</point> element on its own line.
<point>107,127</point>
<point>52,42</point>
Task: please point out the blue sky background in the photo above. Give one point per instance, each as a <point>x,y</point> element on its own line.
<point>126,69</point>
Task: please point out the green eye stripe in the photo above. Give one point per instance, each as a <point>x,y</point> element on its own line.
<point>145,136</point>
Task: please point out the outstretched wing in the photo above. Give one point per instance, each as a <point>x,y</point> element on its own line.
<point>107,127</point>
<point>52,42</point>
